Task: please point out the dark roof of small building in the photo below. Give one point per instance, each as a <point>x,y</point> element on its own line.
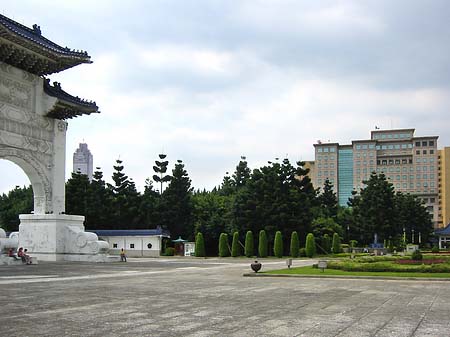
<point>67,106</point>
<point>27,49</point>
<point>443,231</point>
<point>131,232</point>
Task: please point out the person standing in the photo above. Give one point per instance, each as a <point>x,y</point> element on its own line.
<point>123,257</point>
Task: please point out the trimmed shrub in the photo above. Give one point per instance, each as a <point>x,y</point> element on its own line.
<point>223,245</point>
<point>391,246</point>
<point>169,251</point>
<point>235,246</point>
<point>310,247</point>
<point>262,244</point>
<point>295,245</point>
<point>278,245</point>
<point>302,252</point>
<point>336,245</point>
<point>249,244</point>
<point>353,243</point>
<point>325,244</point>
<point>200,245</point>
<point>417,255</point>
<point>435,249</point>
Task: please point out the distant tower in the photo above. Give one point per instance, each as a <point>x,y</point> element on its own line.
<point>82,161</point>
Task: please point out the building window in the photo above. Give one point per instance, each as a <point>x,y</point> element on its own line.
<point>417,144</point>
<point>131,245</point>
<point>404,146</point>
<point>424,151</point>
<point>332,149</point>
<point>417,151</point>
<point>114,245</point>
<point>431,151</point>
<point>431,143</point>
<point>424,143</point>
<point>319,150</point>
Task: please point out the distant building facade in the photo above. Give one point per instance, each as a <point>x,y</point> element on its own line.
<point>444,186</point>
<point>83,161</point>
<point>410,163</point>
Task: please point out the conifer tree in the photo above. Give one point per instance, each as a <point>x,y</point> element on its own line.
<point>161,168</point>
<point>326,244</point>
<point>176,204</point>
<point>310,247</point>
<point>336,245</point>
<point>199,245</point>
<point>328,200</point>
<point>295,245</point>
<point>262,244</point>
<point>235,246</point>
<point>278,245</point>
<point>223,245</point>
<point>249,244</point>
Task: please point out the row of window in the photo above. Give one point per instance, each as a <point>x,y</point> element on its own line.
<point>411,177</point>
<point>392,136</point>
<point>326,149</point>
<point>394,146</point>
<point>365,146</point>
<point>424,160</point>
<point>394,161</point>
<point>425,151</point>
<point>425,143</point>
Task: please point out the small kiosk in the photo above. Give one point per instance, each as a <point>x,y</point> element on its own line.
<point>184,247</point>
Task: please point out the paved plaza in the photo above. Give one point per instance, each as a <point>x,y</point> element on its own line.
<point>210,297</point>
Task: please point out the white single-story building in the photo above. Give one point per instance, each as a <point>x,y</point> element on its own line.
<point>135,242</point>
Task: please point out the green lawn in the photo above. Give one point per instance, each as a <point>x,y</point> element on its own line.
<point>334,272</point>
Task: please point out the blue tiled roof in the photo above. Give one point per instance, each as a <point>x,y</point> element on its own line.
<point>443,231</point>
<point>32,39</point>
<point>72,106</point>
<point>131,232</point>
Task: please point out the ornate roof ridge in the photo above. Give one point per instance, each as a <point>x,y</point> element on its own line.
<point>34,34</point>
<point>56,91</point>
<point>68,106</point>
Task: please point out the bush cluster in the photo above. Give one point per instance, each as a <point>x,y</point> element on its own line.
<point>417,255</point>
<point>169,251</point>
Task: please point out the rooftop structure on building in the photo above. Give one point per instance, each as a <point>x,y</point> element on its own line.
<point>83,161</point>
<point>410,163</point>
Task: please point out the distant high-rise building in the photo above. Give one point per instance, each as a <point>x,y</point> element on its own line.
<point>82,161</point>
<point>410,163</point>
<point>444,186</point>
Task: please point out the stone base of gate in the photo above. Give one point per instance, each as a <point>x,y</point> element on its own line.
<point>51,237</point>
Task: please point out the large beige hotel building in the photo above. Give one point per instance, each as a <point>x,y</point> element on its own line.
<point>410,163</point>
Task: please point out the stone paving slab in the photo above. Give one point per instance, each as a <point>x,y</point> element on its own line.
<point>164,297</point>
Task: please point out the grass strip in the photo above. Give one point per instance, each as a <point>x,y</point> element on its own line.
<point>334,272</point>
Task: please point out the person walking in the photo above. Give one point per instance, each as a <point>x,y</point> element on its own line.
<point>123,257</point>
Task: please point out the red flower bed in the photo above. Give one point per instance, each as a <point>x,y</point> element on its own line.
<point>433,261</point>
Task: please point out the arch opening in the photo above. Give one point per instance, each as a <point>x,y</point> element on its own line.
<point>36,176</point>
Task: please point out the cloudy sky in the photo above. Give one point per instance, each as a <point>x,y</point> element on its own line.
<point>209,81</point>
